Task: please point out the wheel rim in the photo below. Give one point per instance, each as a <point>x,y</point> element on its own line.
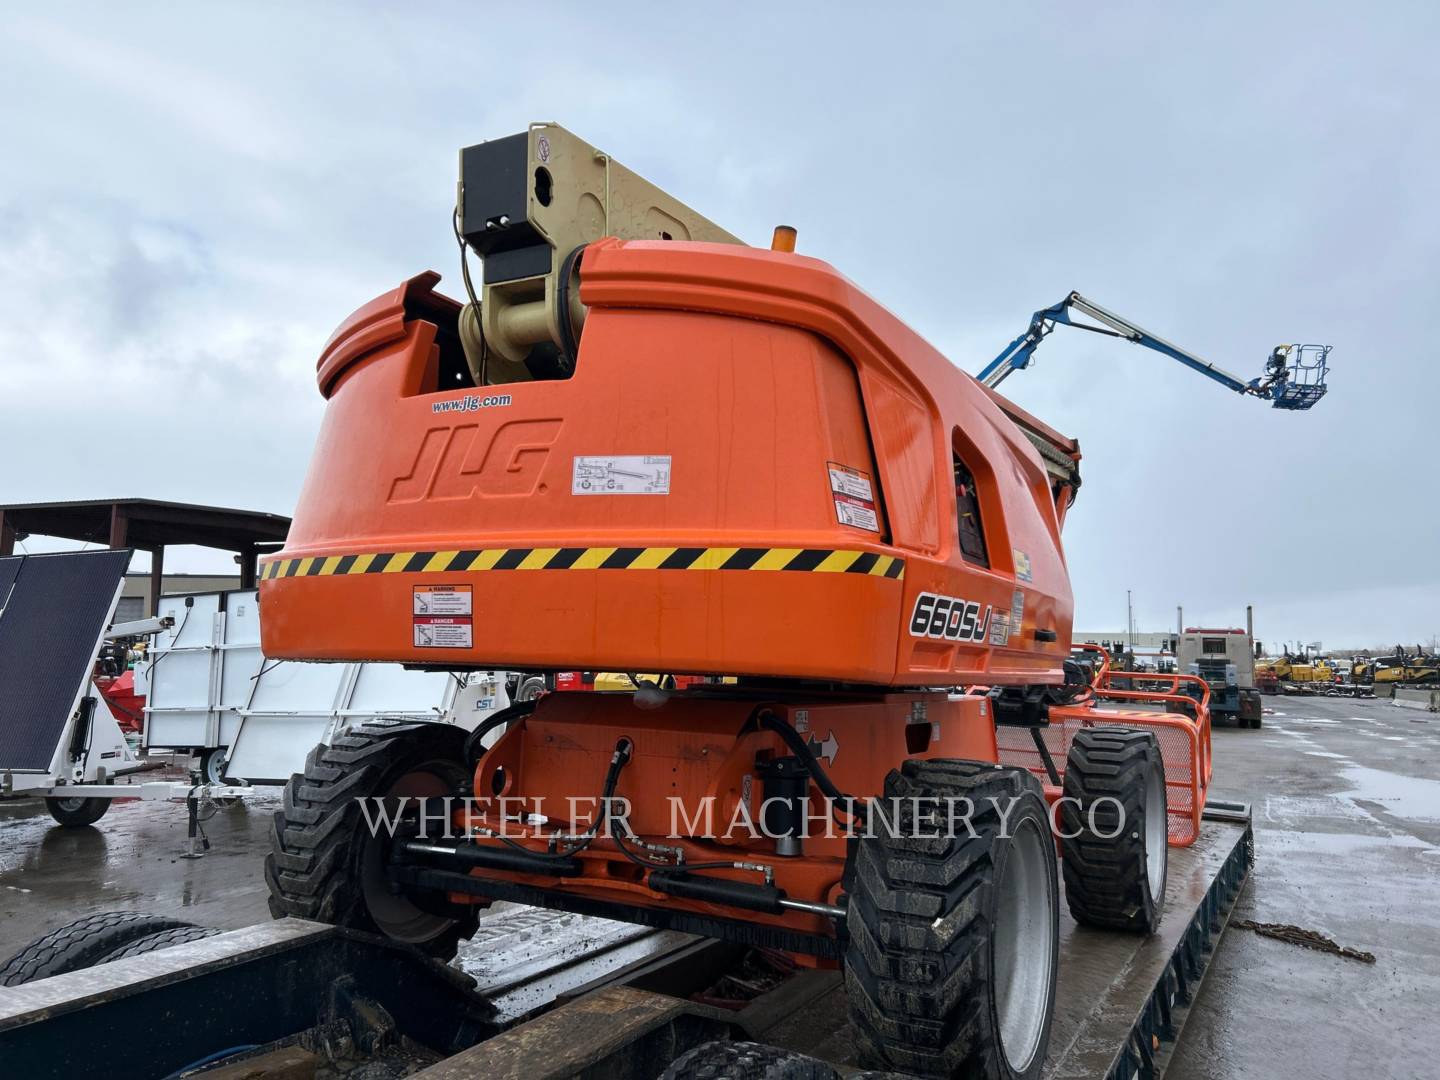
<point>397,917</point>
<point>1157,836</point>
<point>214,764</point>
<point>1024,944</point>
<point>72,806</point>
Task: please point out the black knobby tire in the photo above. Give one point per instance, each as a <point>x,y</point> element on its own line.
<point>1113,846</point>
<point>323,863</point>
<point>73,813</point>
<point>952,942</point>
<point>723,1060</point>
<point>82,944</point>
<point>163,939</point>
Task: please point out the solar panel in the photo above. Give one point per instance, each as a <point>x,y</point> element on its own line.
<point>51,621</point>
<point>9,567</point>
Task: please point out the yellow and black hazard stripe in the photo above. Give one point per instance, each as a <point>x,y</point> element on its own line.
<point>811,560</point>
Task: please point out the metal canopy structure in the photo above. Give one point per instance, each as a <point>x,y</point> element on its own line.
<point>148,525</point>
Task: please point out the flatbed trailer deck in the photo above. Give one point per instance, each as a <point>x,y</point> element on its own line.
<point>576,999</point>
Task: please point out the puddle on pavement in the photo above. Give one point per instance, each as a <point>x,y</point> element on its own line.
<point>1297,812</point>
<point>1404,796</point>
<point>1342,844</point>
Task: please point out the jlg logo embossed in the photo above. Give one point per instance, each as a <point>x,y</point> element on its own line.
<point>459,462</point>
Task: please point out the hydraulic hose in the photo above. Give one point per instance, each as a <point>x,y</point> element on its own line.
<point>618,760</point>
<point>474,742</point>
<point>770,722</point>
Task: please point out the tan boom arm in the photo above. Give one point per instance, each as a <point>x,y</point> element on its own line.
<point>526,203</point>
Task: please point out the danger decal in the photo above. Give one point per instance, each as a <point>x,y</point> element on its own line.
<point>854,497</point>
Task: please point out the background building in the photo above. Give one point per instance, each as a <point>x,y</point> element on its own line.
<point>135,599</point>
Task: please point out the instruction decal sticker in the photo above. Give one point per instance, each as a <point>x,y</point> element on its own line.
<point>1017,611</point>
<point>624,474</point>
<point>1022,564</point>
<point>854,497</point>
<point>443,616</point>
<point>1000,628</point>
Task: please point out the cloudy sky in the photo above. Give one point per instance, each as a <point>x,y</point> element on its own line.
<point>189,206</point>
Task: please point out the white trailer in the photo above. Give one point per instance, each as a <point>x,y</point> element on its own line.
<point>211,693</point>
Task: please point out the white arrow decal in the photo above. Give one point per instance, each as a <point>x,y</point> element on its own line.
<point>827,750</point>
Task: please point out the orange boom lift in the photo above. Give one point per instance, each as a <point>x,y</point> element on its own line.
<point>642,446</point>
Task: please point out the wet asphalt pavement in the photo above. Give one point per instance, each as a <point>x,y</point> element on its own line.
<point>1346,802</point>
<point>1346,798</point>
<point>130,860</point>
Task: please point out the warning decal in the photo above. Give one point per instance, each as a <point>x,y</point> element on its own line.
<point>854,497</point>
<point>443,617</point>
<point>1017,611</point>
<point>1000,628</point>
<point>443,600</point>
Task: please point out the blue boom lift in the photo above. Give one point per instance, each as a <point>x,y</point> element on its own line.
<point>1294,374</point>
